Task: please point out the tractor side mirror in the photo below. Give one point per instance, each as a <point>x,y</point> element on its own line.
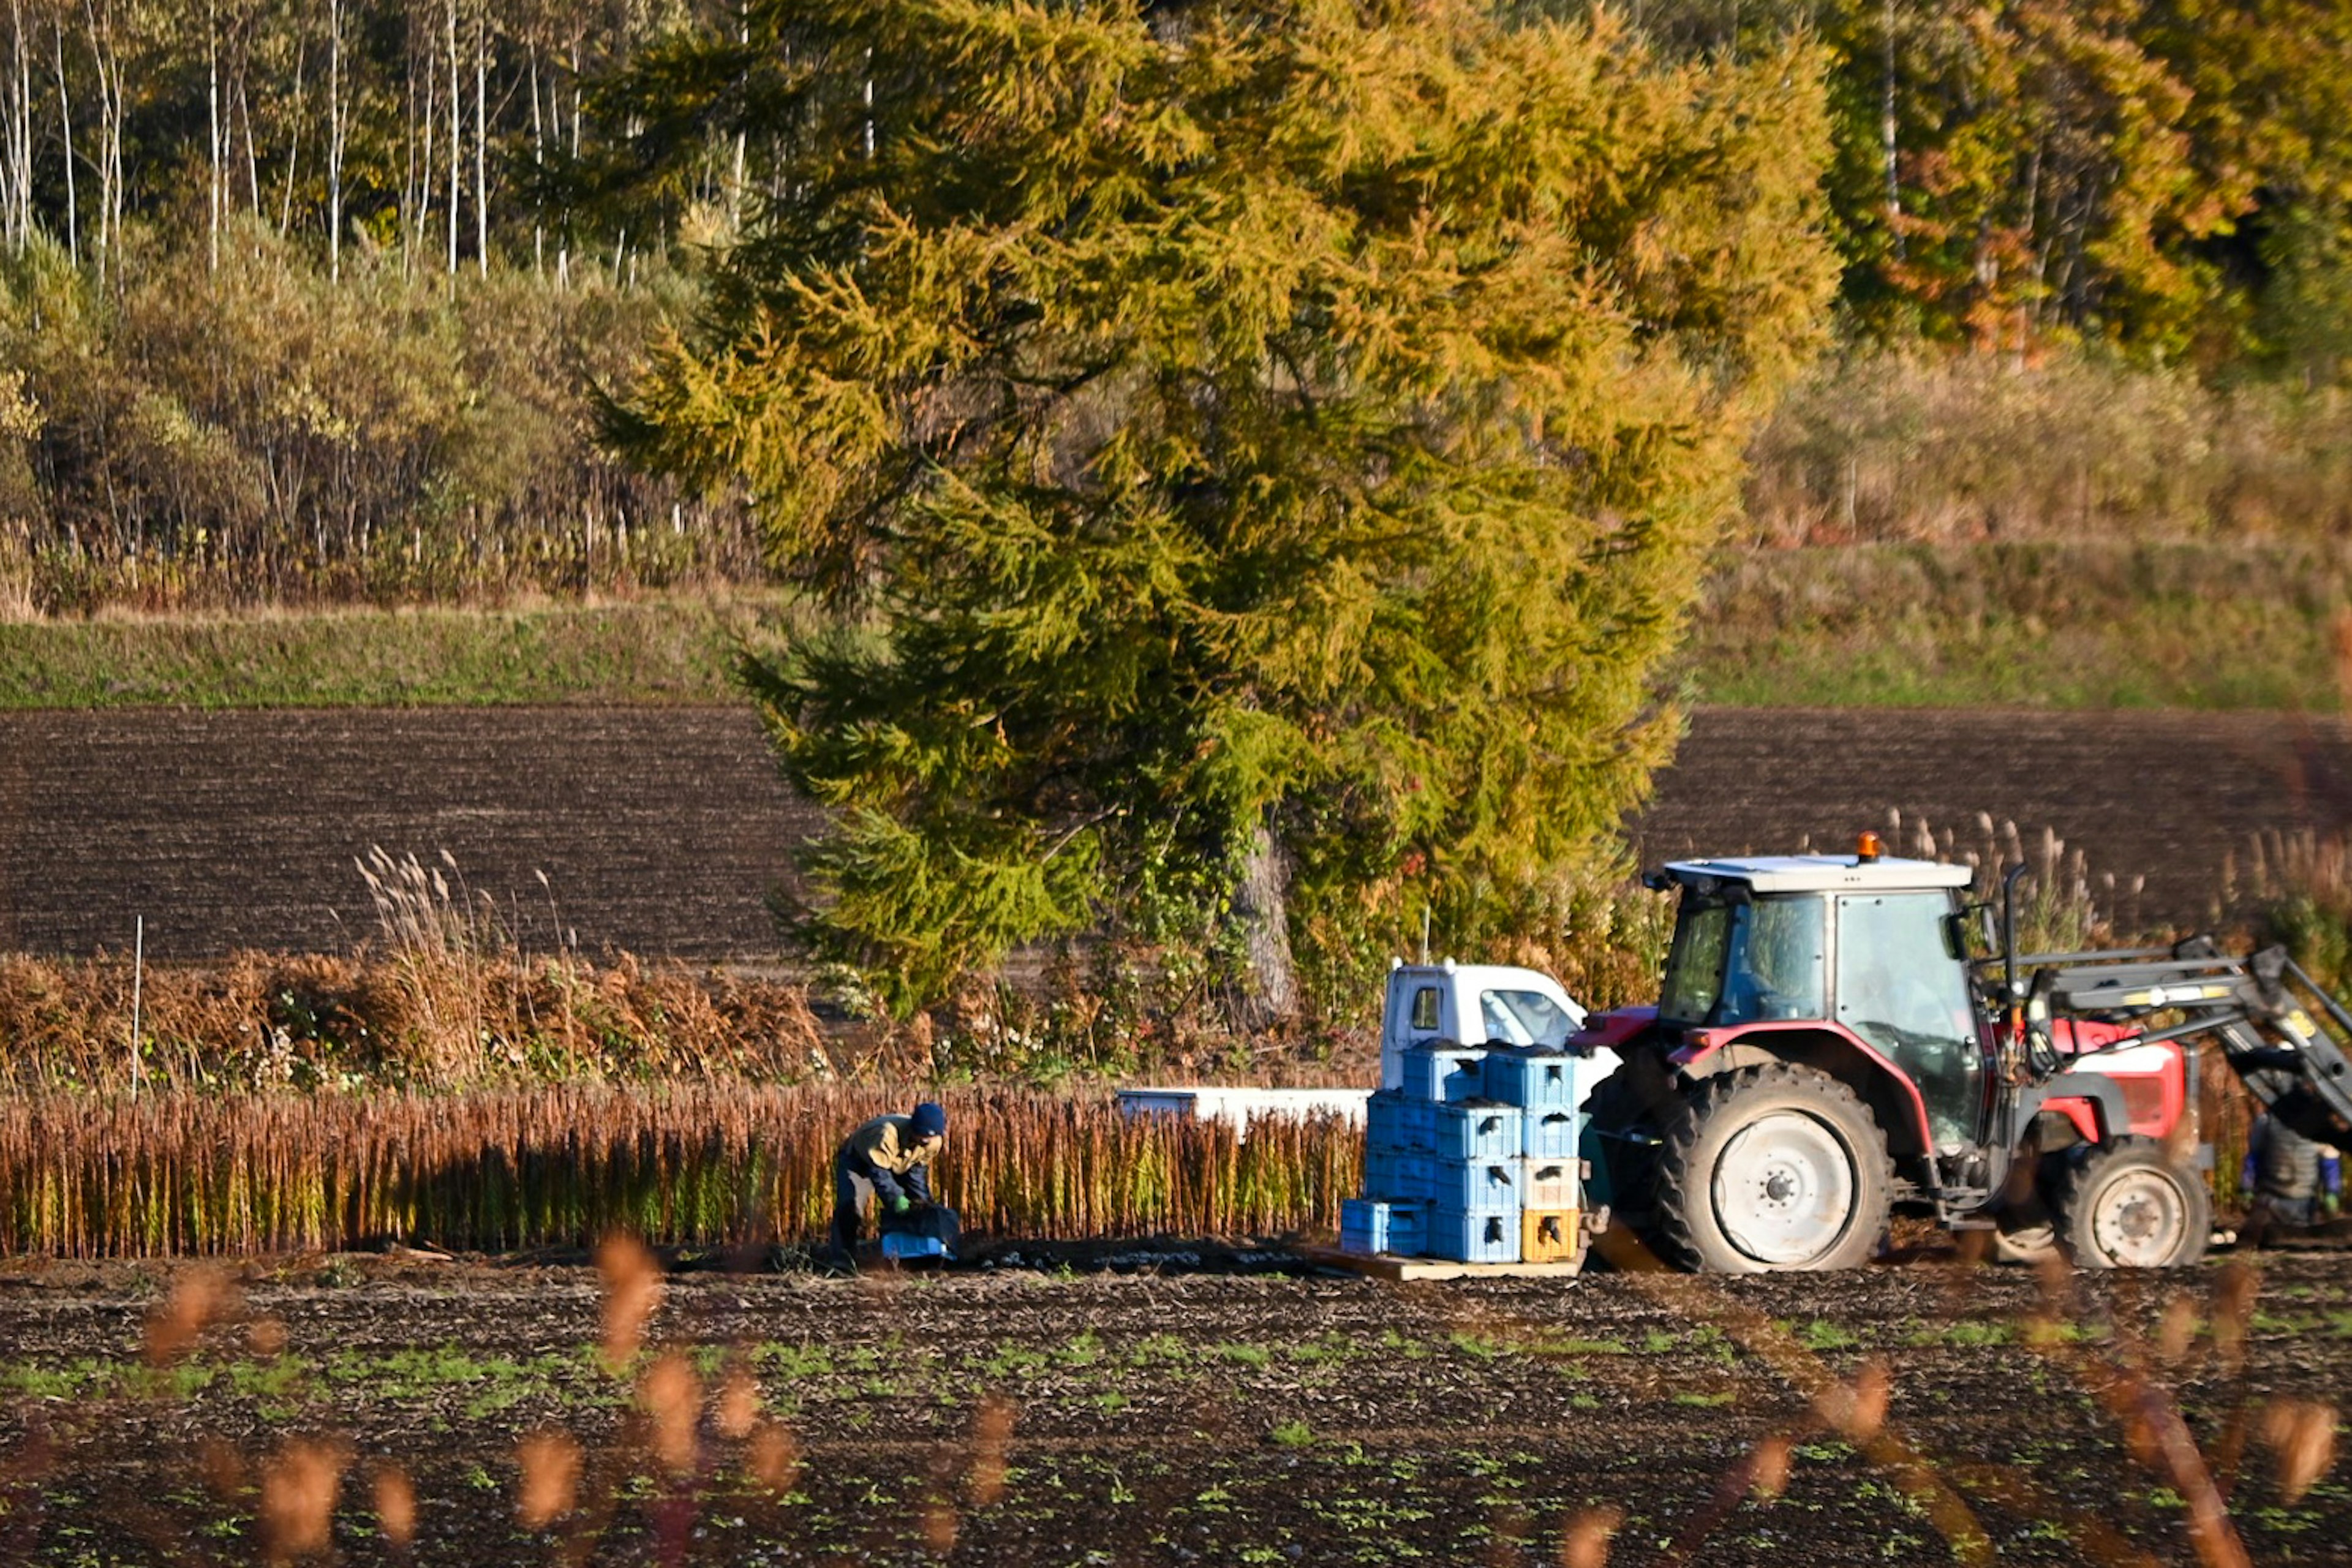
<point>1956,936</point>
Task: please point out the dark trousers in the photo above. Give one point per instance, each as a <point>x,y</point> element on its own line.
<point>851,1193</point>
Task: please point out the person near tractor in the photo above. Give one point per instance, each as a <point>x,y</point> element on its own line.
<point>2297,1182</point>
<point>886,1162</point>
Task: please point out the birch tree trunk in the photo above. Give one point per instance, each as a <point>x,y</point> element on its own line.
<point>64,121</point>
<point>735,190</point>
<point>482,142</point>
<point>422,168</point>
<point>456,139</point>
<point>563,247</point>
<point>25,125</point>
<point>252,150</point>
<point>334,141</point>
<point>1886,129</point>
<point>293,134</point>
<point>112,190</point>
<point>16,181</point>
<point>215,196</point>
<point>539,154</point>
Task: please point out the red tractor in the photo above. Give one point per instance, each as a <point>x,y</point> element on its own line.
<point>1838,1037</point>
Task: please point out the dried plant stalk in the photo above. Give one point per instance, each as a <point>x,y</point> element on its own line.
<point>691,1164</point>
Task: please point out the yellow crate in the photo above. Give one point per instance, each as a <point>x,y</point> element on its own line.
<point>1547,1235</point>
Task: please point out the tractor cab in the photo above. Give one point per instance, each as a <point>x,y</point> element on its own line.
<point>1866,947</point>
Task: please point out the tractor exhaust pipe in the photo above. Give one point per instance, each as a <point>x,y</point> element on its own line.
<point>2008,930</point>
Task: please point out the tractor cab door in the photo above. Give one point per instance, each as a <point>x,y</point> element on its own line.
<point>1901,987</point>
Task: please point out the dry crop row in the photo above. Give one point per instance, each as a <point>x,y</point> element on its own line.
<point>696,1164</point>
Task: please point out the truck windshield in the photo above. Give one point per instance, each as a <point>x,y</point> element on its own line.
<point>1524,1018</point>
<point>1740,963</point>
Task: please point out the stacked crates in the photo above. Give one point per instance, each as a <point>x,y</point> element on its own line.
<point>1472,1158</point>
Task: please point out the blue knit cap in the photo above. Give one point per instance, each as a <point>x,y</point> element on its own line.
<point>930,1121</point>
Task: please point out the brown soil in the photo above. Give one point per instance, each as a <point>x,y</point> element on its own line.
<point>2172,798</point>
<point>1164,1415</point>
<point>662,830</point>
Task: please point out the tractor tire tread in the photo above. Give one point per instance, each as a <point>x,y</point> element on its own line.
<point>1684,1192</point>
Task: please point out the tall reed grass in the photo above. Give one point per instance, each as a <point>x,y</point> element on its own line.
<point>344,1022</point>
<point>693,1164</point>
<point>1896,446</point>
<point>2301,884</point>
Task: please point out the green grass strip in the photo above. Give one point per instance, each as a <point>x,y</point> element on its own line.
<point>657,651</point>
<point>2197,625</point>
<point>2200,623</point>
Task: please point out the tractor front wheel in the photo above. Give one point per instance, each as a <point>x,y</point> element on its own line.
<point>1770,1168</point>
<point>2125,1205</point>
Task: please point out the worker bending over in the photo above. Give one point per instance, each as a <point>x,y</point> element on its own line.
<point>888,1161</point>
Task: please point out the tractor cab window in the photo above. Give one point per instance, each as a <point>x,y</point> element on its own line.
<point>1524,1018</point>
<point>1746,962</point>
<point>1902,988</point>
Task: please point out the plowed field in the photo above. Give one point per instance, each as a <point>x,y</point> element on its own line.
<point>659,829</point>
<point>663,829</point>
<point>1904,1414</point>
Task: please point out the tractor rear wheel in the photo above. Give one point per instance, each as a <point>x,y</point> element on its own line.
<point>1770,1168</point>
<point>2123,1204</point>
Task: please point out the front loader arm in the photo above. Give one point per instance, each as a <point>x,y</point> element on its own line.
<point>2263,1011</point>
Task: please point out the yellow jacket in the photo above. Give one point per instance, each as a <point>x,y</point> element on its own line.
<point>886,1152</point>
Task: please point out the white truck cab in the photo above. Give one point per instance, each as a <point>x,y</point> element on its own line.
<point>1475,1005</point>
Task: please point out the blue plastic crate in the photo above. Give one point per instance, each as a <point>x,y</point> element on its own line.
<point>1526,1078</point>
<point>1366,1227</point>
<point>1469,1238</point>
<point>1550,1184</point>
<point>1441,1073</point>
<point>1397,1124</point>
<point>1550,1133</point>
<point>1477,1186</point>
<point>1478,1131</point>
<point>1400,1176</point>
<point>1417,1176</point>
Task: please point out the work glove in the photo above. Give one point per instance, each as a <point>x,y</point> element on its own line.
<point>902,1204</point>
